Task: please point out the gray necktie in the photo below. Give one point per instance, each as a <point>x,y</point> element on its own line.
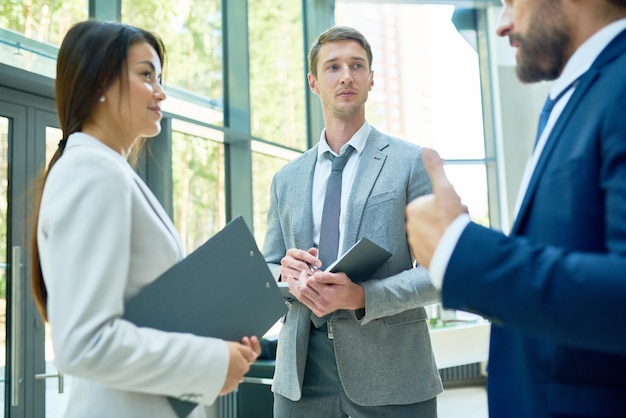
<point>329,231</point>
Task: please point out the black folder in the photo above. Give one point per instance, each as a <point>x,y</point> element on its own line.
<point>361,260</point>
<point>359,263</point>
<point>223,289</point>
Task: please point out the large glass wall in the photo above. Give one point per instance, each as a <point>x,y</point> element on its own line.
<point>264,165</point>
<point>423,95</point>
<point>31,30</point>
<point>198,185</point>
<point>42,20</point>
<point>4,200</point>
<point>277,72</point>
<point>192,34</point>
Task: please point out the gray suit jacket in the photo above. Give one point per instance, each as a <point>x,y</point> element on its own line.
<point>385,358</point>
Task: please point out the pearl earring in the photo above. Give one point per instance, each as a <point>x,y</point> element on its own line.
<point>102,99</point>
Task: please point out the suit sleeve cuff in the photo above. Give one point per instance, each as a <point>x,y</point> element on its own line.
<point>443,252</point>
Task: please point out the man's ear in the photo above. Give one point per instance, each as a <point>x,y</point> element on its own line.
<point>371,79</point>
<point>312,83</point>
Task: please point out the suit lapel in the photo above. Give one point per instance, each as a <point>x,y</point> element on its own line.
<point>370,164</point>
<point>615,48</point>
<point>302,200</point>
<point>160,212</point>
<point>547,154</point>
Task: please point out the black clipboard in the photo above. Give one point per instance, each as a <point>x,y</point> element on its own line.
<point>359,263</point>
<point>225,280</point>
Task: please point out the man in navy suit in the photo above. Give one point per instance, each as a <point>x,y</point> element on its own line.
<point>555,288</point>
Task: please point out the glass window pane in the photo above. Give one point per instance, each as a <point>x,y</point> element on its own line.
<point>198,183</point>
<point>31,31</point>
<point>426,76</point>
<point>192,34</point>
<point>42,20</point>
<point>277,72</point>
<point>53,136</point>
<point>4,190</point>
<point>470,182</point>
<point>264,166</point>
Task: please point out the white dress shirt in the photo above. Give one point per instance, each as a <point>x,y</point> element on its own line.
<point>578,64</point>
<point>322,173</point>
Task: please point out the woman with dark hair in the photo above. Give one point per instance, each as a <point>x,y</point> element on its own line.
<point>100,236</point>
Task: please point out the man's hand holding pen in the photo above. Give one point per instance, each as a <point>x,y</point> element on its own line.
<point>296,261</point>
<point>320,291</point>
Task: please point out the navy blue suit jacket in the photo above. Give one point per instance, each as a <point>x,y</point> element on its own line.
<point>556,288</point>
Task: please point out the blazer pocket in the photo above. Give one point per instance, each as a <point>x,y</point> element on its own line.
<point>380,198</point>
<point>414,315</point>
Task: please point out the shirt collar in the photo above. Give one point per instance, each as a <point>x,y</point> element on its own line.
<point>357,141</point>
<point>585,55</point>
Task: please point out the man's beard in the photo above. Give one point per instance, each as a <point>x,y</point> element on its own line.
<point>544,50</point>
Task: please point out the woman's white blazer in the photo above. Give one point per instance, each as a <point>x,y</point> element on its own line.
<point>102,236</point>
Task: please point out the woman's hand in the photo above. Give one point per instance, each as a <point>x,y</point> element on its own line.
<point>241,356</point>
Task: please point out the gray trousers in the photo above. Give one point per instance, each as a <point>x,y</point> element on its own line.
<point>323,395</point>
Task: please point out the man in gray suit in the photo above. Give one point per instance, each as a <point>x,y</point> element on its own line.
<point>369,352</point>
